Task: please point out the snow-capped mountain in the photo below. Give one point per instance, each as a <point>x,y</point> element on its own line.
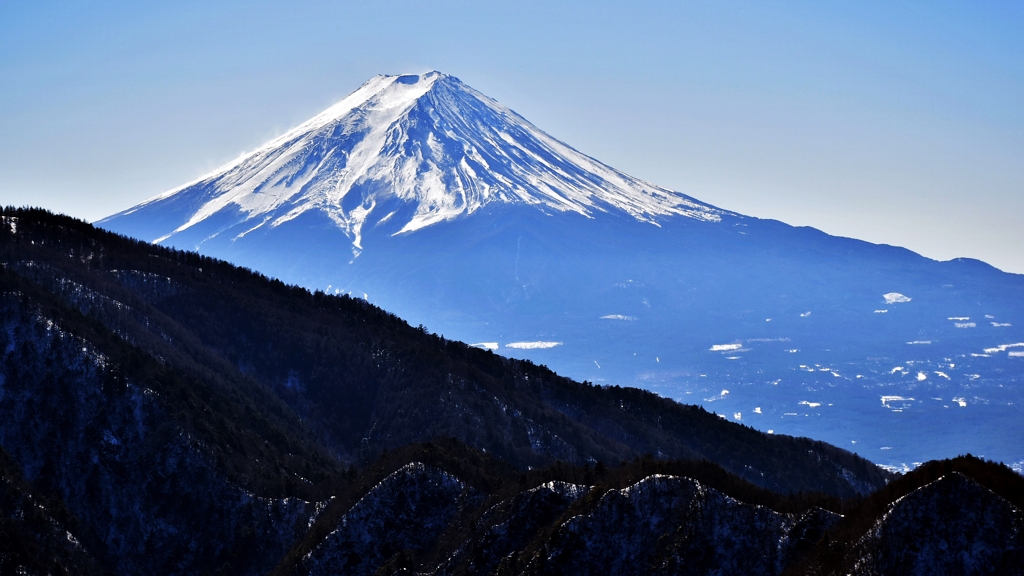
<point>452,211</point>
<point>407,152</point>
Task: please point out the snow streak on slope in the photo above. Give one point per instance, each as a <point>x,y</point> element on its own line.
<point>411,151</point>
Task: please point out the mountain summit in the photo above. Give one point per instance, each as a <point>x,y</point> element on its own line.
<point>405,152</point>
<point>446,208</point>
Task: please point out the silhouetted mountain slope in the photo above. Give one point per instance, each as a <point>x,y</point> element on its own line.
<point>959,516</point>
<point>140,453</point>
<point>300,371</point>
<point>37,535</point>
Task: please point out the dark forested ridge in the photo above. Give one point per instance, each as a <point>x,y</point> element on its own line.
<point>171,412</point>
<point>332,380</point>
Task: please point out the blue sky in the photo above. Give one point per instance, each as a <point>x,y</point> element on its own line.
<point>901,124</point>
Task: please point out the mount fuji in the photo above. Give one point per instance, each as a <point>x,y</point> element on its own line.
<point>447,208</point>
<point>402,153</point>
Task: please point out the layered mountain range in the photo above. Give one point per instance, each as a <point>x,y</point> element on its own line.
<point>445,207</point>
<point>166,412</point>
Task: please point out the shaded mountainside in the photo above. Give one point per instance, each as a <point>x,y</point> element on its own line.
<point>308,381</point>
<point>36,535</point>
<point>960,516</point>
<point>166,412</point>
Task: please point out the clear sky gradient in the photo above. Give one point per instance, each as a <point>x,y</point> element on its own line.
<point>899,124</point>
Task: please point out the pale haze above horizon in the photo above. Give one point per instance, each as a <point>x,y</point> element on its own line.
<point>900,125</point>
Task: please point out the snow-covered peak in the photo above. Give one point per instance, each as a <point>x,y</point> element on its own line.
<point>407,152</point>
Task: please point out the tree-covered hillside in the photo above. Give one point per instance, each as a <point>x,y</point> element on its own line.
<point>310,381</point>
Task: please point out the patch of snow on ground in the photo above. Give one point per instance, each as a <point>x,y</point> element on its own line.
<point>720,396</point>
<point>901,468</point>
<point>888,400</point>
<point>895,298</point>
<point>1003,348</point>
<point>725,347</point>
<point>532,345</point>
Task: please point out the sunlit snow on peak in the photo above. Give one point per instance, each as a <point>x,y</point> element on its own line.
<point>412,151</point>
